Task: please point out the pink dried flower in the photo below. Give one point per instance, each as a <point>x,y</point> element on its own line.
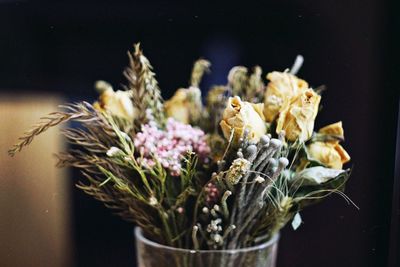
<point>169,146</point>
<point>212,194</point>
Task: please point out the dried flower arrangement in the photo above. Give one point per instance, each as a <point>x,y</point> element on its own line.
<point>226,174</point>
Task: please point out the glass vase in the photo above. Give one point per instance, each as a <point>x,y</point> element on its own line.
<point>152,254</point>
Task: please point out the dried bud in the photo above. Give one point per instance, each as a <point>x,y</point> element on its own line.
<point>117,103</point>
<point>265,139</point>
<point>239,116</point>
<point>114,152</point>
<point>259,180</point>
<point>153,201</point>
<point>283,162</point>
<point>276,143</point>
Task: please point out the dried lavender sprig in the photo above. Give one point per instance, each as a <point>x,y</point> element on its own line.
<point>250,153</point>
<point>264,165</point>
<point>273,146</point>
<point>267,150</point>
<point>266,187</point>
<point>282,163</point>
<point>258,204</point>
<point>260,154</point>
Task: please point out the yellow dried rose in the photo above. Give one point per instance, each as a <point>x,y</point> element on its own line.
<point>330,154</point>
<point>178,107</point>
<point>240,115</point>
<point>281,90</point>
<point>185,105</point>
<point>297,118</point>
<point>118,103</point>
<point>335,129</point>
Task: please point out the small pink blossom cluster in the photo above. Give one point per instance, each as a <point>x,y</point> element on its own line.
<point>169,146</point>
<point>212,194</point>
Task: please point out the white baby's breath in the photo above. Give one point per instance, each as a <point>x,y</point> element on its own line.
<point>114,151</point>
<point>153,201</point>
<point>259,180</point>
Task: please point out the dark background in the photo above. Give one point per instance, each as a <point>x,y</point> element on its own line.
<point>349,46</point>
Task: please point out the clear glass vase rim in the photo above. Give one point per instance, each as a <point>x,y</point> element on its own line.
<point>139,236</point>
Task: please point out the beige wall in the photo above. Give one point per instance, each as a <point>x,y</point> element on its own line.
<point>34,209</point>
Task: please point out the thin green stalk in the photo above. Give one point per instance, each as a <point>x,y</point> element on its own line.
<point>166,226</point>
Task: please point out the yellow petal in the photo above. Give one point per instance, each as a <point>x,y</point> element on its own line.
<point>345,157</point>
<point>178,107</point>
<point>117,103</point>
<point>226,129</point>
<point>326,154</point>
<point>333,129</point>
<point>96,106</point>
<point>281,90</point>
<point>259,108</point>
<point>297,118</point>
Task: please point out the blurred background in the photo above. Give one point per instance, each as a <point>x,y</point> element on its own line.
<point>52,52</point>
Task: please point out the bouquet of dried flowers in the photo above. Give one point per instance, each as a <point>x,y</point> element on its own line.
<point>225,173</point>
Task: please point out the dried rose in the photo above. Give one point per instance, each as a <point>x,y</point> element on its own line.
<point>297,118</point>
<point>331,154</point>
<point>117,103</point>
<point>185,105</point>
<point>177,106</point>
<point>335,129</point>
<point>240,115</point>
<point>281,90</point>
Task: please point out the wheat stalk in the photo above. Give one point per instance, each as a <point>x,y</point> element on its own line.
<point>199,68</point>
<point>80,112</point>
<point>141,80</point>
